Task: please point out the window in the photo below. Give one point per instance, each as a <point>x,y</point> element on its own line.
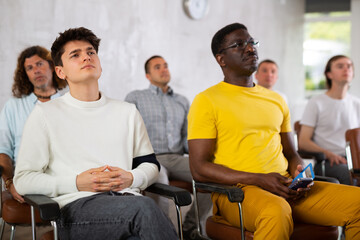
<point>326,35</point>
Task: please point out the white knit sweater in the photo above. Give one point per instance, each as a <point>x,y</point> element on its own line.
<point>64,137</point>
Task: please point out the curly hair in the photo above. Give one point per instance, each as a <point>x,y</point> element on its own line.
<point>72,34</point>
<point>22,85</point>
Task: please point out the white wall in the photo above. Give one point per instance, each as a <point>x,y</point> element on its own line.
<point>355,47</point>
<point>133,30</point>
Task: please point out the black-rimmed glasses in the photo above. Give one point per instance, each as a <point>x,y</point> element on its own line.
<point>242,45</point>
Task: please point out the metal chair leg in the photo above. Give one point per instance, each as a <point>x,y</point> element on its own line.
<point>12,234</point>
<point>323,167</point>
<point>33,225</point>
<point>241,222</point>
<point>53,223</point>
<point>197,218</point>
<point>2,222</point>
<point>179,219</point>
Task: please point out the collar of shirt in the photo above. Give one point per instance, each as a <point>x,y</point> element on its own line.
<point>156,90</point>
<point>34,99</point>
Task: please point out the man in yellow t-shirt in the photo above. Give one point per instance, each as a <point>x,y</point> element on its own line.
<point>240,134</point>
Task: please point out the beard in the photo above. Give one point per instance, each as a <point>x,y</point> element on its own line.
<point>42,87</point>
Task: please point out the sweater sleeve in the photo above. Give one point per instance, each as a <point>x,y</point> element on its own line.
<point>31,173</point>
<point>145,173</point>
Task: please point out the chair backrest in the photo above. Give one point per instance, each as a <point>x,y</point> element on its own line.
<point>352,137</point>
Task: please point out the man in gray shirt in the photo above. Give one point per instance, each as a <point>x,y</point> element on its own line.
<point>165,116</point>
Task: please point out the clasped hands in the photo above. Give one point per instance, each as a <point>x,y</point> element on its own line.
<point>103,179</point>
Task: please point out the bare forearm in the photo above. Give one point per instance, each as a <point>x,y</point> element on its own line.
<point>210,172</point>
<point>6,163</point>
<point>306,142</point>
<point>290,153</point>
<point>204,170</point>
<point>293,163</point>
<point>294,160</point>
<point>311,146</point>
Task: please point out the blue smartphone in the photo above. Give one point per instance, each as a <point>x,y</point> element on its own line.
<point>303,179</point>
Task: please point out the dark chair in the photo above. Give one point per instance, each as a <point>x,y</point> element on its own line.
<point>181,184</point>
<point>219,231</point>
<point>318,157</point>
<point>352,137</point>
<point>49,209</point>
<point>15,213</point>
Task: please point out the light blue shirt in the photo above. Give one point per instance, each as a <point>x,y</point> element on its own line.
<point>12,120</point>
<point>165,118</point>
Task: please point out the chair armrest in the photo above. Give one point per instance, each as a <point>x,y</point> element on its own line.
<point>180,196</point>
<point>318,156</point>
<point>48,208</point>
<point>233,193</point>
<point>326,179</point>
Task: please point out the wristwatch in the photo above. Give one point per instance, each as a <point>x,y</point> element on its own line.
<point>8,182</point>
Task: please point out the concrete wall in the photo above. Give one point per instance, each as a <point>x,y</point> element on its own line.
<point>133,30</point>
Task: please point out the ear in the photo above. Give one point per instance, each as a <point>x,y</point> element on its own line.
<point>148,76</point>
<point>220,59</point>
<point>329,75</point>
<point>60,72</point>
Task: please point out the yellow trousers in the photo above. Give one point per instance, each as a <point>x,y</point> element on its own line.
<point>269,216</point>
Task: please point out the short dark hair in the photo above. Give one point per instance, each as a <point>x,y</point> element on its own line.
<point>219,37</point>
<point>267,61</point>
<point>72,34</point>
<point>328,68</point>
<point>22,85</point>
<point>148,61</point>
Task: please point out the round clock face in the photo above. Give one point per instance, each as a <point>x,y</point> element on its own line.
<point>196,9</point>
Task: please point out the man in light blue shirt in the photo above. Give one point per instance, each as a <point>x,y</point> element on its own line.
<point>165,116</point>
<point>35,81</point>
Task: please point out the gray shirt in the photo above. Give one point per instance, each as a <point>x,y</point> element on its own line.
<point>165,117</point>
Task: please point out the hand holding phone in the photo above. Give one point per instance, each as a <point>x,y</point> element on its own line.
<point>300,183</point>
<point>303,179</point>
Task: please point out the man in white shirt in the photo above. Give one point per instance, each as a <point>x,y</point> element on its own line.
<point>90,153</point>
<point>327,117</point>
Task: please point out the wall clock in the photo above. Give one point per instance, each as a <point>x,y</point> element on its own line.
<point>196,9</point>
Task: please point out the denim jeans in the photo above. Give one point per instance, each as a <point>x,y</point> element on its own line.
<point>111,215</point>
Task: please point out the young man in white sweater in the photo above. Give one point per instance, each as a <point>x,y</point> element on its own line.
<point>90,153</point>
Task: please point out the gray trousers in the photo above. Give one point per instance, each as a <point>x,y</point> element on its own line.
<point>111,216</point>
<point>177,168</point>
<point>340,172</point>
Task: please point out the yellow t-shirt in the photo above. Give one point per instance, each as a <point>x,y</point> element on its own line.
<point>246,123</point>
